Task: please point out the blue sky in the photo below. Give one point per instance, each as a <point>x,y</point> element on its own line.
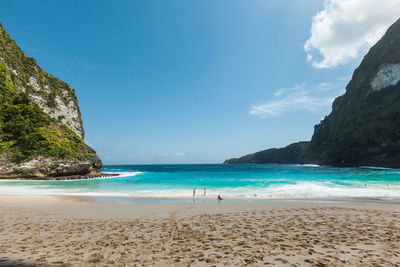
<point>192,81</point>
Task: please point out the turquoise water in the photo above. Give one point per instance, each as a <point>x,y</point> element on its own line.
<point>271,181</point>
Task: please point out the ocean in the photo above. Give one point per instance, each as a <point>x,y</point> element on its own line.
<point>233,182</point>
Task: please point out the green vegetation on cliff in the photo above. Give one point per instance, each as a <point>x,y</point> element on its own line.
<point>25,130</point>
<point>31,123</point>
<point>25,67</point>
<point>364,125</point>
<point>293,153</point>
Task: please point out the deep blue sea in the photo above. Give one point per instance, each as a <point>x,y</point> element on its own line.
<point>240,182</point>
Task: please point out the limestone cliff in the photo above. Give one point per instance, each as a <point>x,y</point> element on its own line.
<point>363,128</point>
<point>41,131</point>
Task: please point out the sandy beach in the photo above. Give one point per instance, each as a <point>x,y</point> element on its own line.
<point>76,231</point>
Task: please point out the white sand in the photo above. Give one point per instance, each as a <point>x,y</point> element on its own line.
<point>74,231</point>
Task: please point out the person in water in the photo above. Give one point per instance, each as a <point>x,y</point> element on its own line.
<point>194,192</point>
<point>205,191</point>
<point>219,198</point>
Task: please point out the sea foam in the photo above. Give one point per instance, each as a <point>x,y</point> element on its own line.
<point>288,191</point>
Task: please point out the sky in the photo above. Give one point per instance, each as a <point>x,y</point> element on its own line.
<point>181,81</point>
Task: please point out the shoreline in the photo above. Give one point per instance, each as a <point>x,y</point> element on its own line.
<point>87,206</point>
<point>212,200</point>
<point>110,198</point>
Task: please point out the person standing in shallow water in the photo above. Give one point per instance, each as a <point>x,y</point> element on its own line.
<point>205,191</point>
<point>194,192</point>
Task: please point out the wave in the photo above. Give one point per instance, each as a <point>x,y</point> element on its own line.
<point>308,165</point>
<point>112,175</point>
<point>376,168</point>
<point>327,190</point>
<point>304,190</point>
<point>122,174</point>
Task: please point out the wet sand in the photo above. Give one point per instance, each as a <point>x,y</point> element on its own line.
<point>76,231</point>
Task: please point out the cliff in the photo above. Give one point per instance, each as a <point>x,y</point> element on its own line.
<point>363,128</point>
<point>364,125</point>
<point>41,131</point>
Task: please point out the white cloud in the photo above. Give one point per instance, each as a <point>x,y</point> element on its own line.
<point>180,154</point>
<point>295,101</point>
<point>298,98</point>
<point>279,92</point>
<point>346,28</point>
<point>282,91</point>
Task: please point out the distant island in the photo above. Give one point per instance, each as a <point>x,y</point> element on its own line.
<point>363,128</point>
<point>41,130</point>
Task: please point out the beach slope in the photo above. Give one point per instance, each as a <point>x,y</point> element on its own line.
<point>71,231</point>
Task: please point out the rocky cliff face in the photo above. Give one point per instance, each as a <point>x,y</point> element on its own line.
<point>364,125</point>
<point>41,131</point>
<point>55,97</point>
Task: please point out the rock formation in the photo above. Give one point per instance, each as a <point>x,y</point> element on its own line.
<point>363,128</point>
<point>41,131</point>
